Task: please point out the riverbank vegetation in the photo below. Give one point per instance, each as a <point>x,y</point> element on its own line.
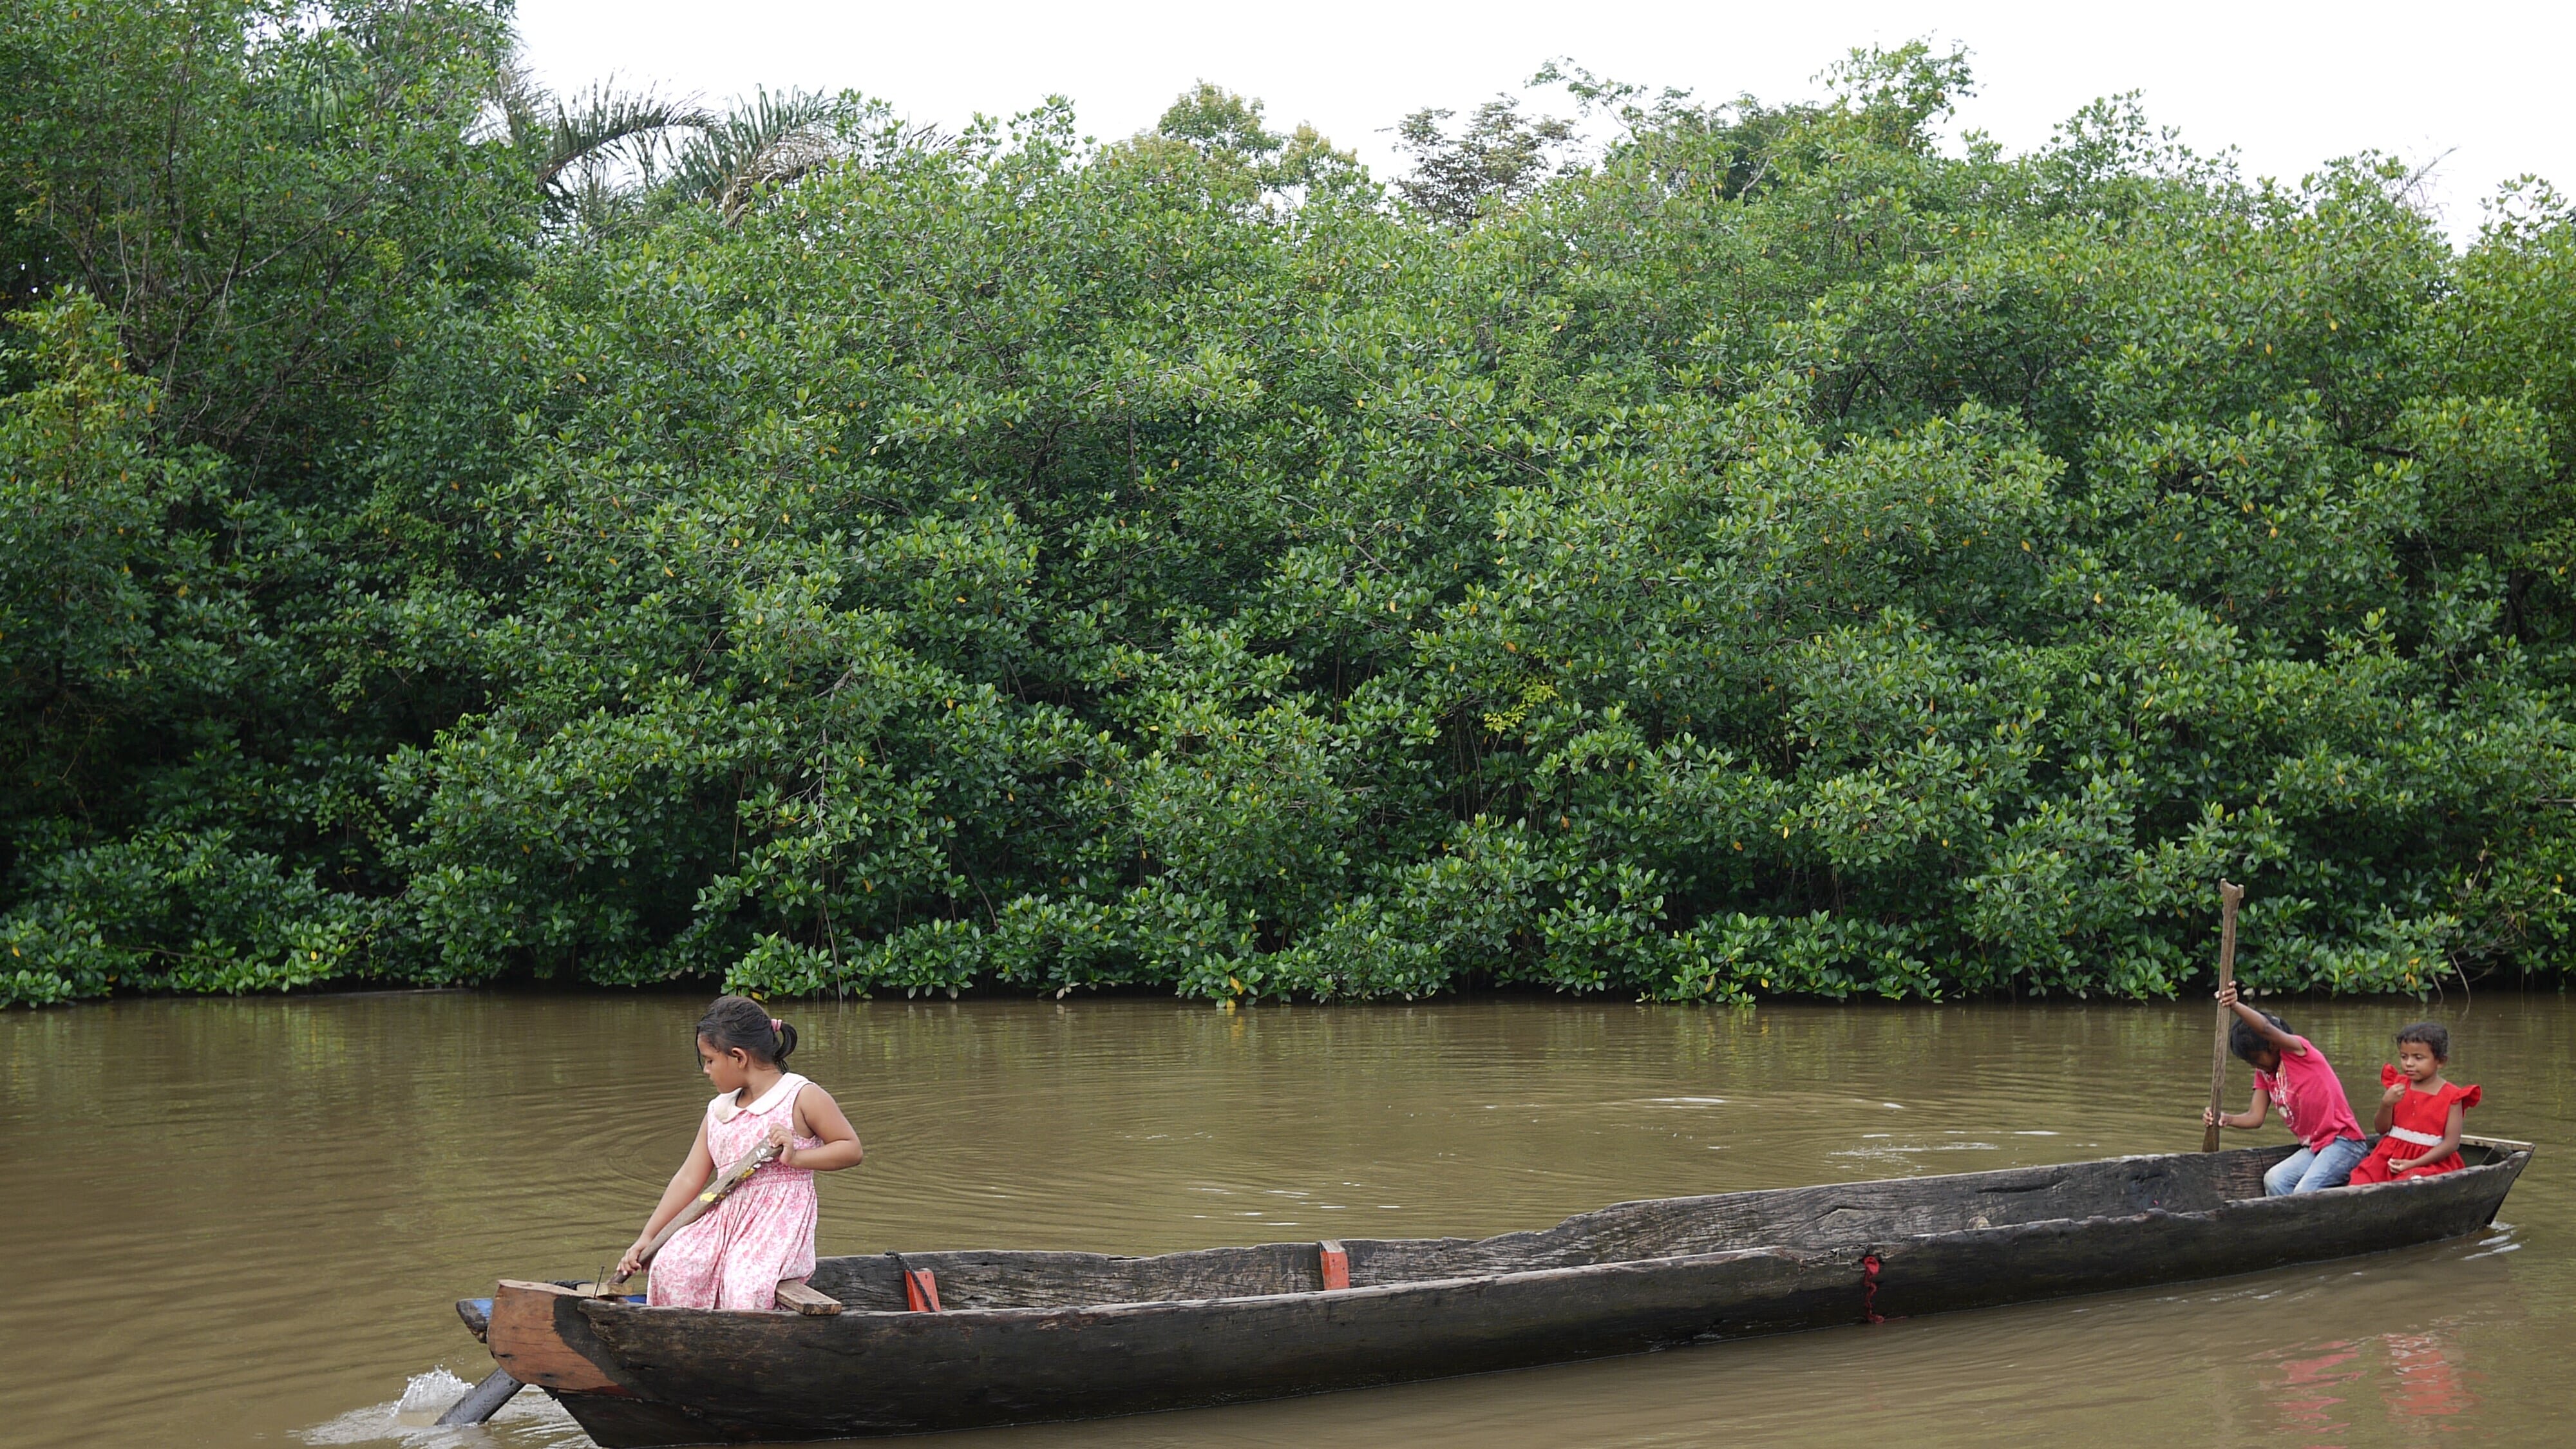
<point>452,531</point>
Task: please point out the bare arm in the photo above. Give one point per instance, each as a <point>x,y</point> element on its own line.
<point>2245,1121</point>
<point>2449,1144</point>
<point>817,1115</point>
<point>686,1183</point>
<point>2281,1041</point>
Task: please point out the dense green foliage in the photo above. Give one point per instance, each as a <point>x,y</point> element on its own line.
<point>1782,555</point>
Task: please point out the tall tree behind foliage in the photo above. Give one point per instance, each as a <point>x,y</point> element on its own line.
<point>1497,158</point>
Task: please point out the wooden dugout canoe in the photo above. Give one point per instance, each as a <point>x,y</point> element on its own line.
<point>1032,1336</point>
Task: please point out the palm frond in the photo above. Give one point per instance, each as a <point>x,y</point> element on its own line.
<point>767,137</point>
<point>774,139</point>
<point>783,160</point>
<point>602,121</point>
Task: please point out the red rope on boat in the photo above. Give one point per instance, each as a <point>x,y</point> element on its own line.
<point>1869,1290</point>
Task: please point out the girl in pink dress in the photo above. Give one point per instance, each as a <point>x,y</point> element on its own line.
<point>2419,1111</point>
<point>762,1234</point>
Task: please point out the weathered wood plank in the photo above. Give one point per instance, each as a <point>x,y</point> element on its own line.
<point>534,1336</point>
<point>797,1297</point>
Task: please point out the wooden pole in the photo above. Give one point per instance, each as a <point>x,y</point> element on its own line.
<point>2228,897</point>
<point>734,1174</point>
<point>485,1400</point>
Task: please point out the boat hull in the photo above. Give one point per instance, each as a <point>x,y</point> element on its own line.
<point>636,1377</point>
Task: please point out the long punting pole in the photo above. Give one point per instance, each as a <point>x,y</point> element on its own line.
<point>2228,896</point>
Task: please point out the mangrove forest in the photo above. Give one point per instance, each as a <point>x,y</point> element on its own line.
<point>1689,548</point>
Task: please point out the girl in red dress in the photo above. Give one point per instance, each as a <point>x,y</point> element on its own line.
<point>2419,1112</point>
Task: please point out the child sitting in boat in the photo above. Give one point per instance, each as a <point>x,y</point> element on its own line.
<point>2419,1111</point>
<point>2290,1073</point>
<point>762,1234</point>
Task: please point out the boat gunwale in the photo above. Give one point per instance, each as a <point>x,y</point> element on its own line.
<point>639,1380</point>
<point>2507,1148</point>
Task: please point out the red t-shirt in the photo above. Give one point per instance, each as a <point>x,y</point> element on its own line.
<point>2310,1096</point>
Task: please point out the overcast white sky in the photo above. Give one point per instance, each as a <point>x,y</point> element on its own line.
<point>2289,84</point>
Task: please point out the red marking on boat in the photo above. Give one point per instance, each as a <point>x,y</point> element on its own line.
<point>921,1291</point>
<point>1337,1265</point>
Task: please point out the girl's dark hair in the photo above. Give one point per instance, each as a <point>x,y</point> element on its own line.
<point>739,1021</point>
<point>2432,1034</point>
<point>2245,1041</point>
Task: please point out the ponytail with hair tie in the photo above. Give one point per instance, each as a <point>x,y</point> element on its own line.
<point>738,1022</point>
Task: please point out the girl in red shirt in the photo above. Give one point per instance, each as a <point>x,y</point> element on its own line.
<point>2419,1111</point>
<point>2291,1074</point>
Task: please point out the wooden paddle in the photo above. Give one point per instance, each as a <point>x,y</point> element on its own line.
<point>482,1401</point>
<point>2228,897</point>
<point>488,1396</point>
<point>737,1172</point>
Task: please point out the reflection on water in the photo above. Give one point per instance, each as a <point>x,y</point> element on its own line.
<point>2426,1377</point>
<point>241,1222</point>
<point>2417,1375</point>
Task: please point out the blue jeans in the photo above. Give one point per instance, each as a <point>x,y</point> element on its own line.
<point>2307,1169</point>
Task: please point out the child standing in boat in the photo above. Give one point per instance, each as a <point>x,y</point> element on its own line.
<point>761,1234</point>
<point>2290,1073</point>
<point>2418,1110</point>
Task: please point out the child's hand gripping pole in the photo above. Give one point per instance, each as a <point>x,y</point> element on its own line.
<point>2228,897</point>
<point>734,1174</point>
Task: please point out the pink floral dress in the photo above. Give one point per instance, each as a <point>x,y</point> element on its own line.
<point>763,1232</point>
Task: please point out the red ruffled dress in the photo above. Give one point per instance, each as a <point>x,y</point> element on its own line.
<point>2419,1122</point>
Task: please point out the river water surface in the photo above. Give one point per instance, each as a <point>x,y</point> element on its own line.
<point>242,1222</point>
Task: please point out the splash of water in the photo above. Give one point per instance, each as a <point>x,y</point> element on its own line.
<point>412,1419</point>
<point>429,1395</point>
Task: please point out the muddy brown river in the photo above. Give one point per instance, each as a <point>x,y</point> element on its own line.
<point>242,1222</point>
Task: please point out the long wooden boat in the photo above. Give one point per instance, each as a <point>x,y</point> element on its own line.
<point>1028,1336</point>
